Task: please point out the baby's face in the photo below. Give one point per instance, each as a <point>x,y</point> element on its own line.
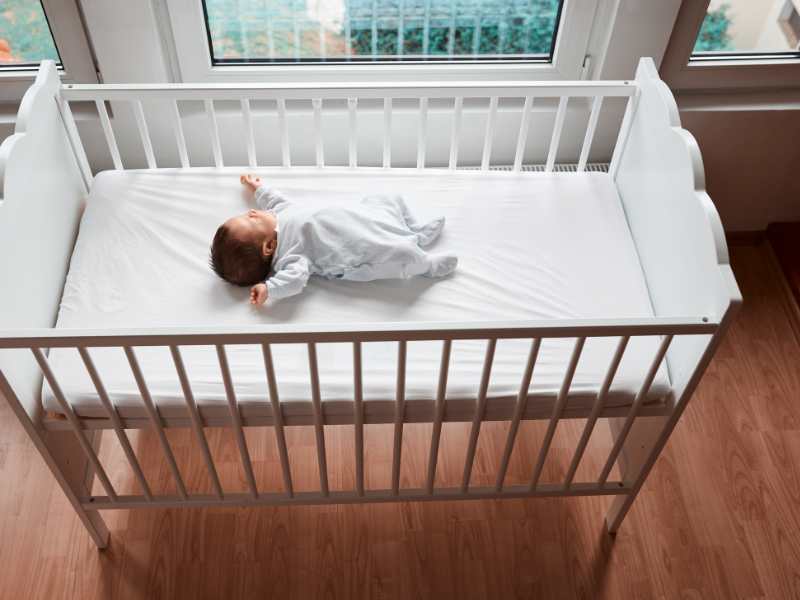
<point>255,226</point>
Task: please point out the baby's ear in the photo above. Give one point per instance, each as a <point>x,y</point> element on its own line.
<point>268,247</point>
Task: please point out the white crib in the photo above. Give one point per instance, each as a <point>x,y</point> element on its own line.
<point>656,169</point>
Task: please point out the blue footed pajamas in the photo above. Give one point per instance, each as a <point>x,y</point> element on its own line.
<point>376,239</point>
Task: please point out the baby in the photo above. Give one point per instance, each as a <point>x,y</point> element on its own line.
<point>375,239</point>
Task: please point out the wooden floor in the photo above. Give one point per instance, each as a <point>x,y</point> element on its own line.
<point>718,518</point>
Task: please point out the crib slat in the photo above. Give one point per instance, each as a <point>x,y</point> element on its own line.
<point>441,390</point>
<point>317,104</point>
<point>112,413</point>
<point>387,133</point>
<point>399,415</point>
<point>277,419</point>
<point>522,136</point>
<point>236,418</point>
<point>634,410</point>
<point>358,417</point>
<point>108,131</point>
<point>194,415</point>
<point>77,428</point>
<point>180,139</point>
<point>558,409</point>
<point>316,402</point>
<point>622,136</point>
<point>75,141</point>
<point>519,410</point>
<point>488,135</point>
<point>283,125</point>
<point>155,419</point>
<point>590,129</point>
<point>211,114</point>
<point>422,132</point>
<point>561,114</point>
<point>247,117</point>
<point>599,404</point>
<point>144,134</point>
<point>352,103</point>
<point>480,409</point>
<point>455,132</point>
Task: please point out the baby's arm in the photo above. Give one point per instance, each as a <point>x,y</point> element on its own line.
<point>266,198</point>
<point>288,281</point>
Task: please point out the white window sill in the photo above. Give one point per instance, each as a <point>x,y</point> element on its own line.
<point>738,100</point>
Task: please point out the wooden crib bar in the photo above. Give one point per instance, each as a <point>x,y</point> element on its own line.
<point>277,415</point>
<point>487,101</point>
<point>666,330</point>
<point>197,423</point>
<point>111,411</point>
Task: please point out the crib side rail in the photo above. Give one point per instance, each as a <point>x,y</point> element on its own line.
<point>627,432</point>
<point>357,332</point>
<point>313,109</point>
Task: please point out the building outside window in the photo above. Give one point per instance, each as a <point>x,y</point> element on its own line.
<point>733,28</point>
<point>275,31</point>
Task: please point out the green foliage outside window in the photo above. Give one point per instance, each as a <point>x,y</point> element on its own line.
<point>714,34</point>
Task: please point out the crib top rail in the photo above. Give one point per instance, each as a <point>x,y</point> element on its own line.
<point>411,89</point>
<point>357,332</point>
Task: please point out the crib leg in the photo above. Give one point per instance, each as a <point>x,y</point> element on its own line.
<point>76,477</point>
<point>640,444</point>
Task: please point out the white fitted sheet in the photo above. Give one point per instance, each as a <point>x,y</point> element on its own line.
<point>531,246</point>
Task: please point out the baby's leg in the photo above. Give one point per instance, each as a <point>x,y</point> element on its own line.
<point>425,264</point>
<point>426,232</point>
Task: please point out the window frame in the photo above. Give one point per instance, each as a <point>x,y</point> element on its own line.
<point>734,73</point>
<point>73,47</point>
<point>193,56</point>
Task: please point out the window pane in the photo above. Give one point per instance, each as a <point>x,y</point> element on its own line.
<point>748,28</point>
<point>380,30</point>
<point>25,37</point>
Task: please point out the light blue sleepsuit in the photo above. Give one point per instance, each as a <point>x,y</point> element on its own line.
<point>376,239</point>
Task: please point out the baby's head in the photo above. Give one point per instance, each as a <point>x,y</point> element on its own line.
<point>242,249</point>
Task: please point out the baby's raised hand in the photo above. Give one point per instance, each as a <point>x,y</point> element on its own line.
<point>258,294</point>
<point>253,182</point>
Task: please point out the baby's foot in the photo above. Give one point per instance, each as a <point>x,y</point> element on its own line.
<point>428,233</point>
<point>251,181</point>
<point>441,265</point>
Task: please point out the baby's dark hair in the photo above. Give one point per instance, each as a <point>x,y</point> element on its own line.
<point>236,261</point>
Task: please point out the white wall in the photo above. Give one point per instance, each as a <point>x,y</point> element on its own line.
<point>752,161</point>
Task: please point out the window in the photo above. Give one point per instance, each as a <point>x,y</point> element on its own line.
<point>747,29</point>
<point>281,31</point>
<point>735,44</point>
<point>318,40</point>
<point>32,31</point>
<point>25,37</point>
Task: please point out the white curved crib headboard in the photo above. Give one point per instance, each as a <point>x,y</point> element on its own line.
<point>41,183</point>
<point>674,224</point>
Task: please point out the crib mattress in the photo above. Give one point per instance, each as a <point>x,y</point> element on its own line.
<point>531,246</point>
